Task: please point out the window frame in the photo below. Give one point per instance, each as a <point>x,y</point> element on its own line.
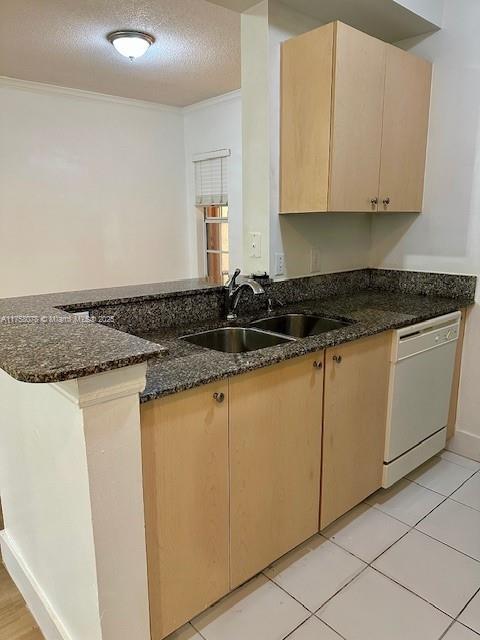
<point>207,220</point>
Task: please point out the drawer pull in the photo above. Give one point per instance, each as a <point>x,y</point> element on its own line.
<point>219,396</point>
<point>337,359</point>
<point>317,364</point>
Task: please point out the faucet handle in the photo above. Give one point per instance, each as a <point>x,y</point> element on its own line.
<point>232,281</point>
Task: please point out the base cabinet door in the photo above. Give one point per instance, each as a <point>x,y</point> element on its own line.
<point>355,415</point>
<point>275,453</point>
<point>185,468</point>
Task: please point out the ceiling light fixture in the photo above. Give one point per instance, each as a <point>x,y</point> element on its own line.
<point>131,44</point>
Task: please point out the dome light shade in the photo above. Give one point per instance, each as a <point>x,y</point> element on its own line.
<point>131,44</point>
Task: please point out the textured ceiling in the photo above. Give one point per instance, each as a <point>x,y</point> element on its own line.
<point>196,54</point>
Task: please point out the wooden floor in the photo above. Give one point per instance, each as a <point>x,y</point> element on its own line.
<point>16,622</point>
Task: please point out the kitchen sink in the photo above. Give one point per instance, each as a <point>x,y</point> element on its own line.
<point>299,325</point>
<point>236,339</point>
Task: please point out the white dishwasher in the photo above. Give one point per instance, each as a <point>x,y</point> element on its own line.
<point>422,364</point>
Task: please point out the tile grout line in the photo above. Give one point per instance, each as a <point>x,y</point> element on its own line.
<point>469,601</point>
<point>445,498</point>
<point>414,528</point>
<point>447,630</point>
<point>195,629</point>
<point>330,627</point>
<point>455,490</point>
<point>314,613</point>
<point>413,593</point>
<point>305,621</point>
<point>411,528</point>
<point>288,594</point>
<point>447,545</point>
<point>457,463</point>
<point>370,564</point>
<point>290,633</point>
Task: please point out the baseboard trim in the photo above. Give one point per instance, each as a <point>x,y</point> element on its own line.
<point>37,602</point>
<point>465,444</point>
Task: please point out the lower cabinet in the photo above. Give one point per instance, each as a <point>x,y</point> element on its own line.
<point>354,423</point>
<point>185,477</point>
<point>275,454</point>
<point>233,471</point>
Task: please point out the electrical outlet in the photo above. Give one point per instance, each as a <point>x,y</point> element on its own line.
<point>255,244</point>
<point>279,264</point>
<point>315,261</point>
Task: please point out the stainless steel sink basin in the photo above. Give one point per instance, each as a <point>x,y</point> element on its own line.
<point>235,339</point>
<point>299,325</point>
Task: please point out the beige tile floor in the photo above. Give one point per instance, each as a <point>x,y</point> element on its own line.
<point>404,565</point>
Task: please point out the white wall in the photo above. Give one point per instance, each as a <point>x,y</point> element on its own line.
<point>431,10</point>
<point>446,237</point>
<point>343,240</point>
<point>209,125</point>
<point>92,191</point>
<point>256,134</point>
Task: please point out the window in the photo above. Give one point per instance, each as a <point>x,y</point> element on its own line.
<point>216,242</point>
<point>211,194</point>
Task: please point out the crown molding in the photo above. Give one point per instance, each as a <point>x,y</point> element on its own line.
<point>45,88</point>
<point>224,97</point>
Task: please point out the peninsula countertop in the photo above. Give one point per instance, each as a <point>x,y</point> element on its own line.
<point>42,341</point>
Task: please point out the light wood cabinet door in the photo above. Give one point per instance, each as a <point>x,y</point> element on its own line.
<point>359,76</point>
<point>185,474</point>
<point>275,453</point>
<point>306,102</point>
<point>354,123</point>
<point>355,413</point>
<point>405,130</point>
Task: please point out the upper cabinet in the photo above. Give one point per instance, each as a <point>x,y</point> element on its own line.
<point>405,126</point>
<point>354,122</point>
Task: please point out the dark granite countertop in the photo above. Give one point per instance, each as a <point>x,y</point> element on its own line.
<point>370,312</point>
<point>41,342</point>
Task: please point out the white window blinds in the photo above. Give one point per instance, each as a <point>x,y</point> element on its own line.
<point>211,185</point>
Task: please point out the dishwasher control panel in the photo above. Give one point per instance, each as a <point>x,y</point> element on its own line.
<point>426,335</point>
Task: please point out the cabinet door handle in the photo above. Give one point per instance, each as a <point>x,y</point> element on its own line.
<point>386,201</point>
<point>337,359</point>
<point>374,201</point>
<point>219,396</point>
<point>317,364</point>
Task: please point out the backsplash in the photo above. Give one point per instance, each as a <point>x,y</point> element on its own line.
<point>189,307</point>
<point>447,285</point>
<point>207,304</point>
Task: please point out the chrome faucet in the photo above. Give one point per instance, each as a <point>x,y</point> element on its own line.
<point>234,291</point>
